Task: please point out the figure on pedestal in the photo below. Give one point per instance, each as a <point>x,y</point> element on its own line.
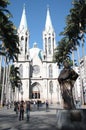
<point>66,80</point>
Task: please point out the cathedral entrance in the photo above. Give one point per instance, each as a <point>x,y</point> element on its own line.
<point>35,91</point>
<point>35,95</point>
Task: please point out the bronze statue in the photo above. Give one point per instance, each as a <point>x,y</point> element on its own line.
<point>66,80</point>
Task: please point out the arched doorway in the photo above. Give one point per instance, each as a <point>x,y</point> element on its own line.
<point>35,91</point>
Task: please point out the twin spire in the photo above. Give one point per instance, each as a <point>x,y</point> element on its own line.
<point>48,24</point>
<point>23,22</point>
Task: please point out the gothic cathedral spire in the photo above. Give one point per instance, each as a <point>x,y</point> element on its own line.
<point>23,33</point>
<point>48,24</point>
<point>23,22</point>
<point>23,62</point>
<point>49,42</point>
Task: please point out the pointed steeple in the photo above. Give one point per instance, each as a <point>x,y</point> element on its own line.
<point>49,41</point>
<point>23,22</point>
<point>48,24</point>
<point>23,34</point>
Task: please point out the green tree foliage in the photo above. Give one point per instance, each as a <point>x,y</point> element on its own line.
<point>15,77</point>
<point>73,32</point>
<point>9,40</point>
<point>62,51</point>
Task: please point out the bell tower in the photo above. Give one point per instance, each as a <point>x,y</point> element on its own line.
<point>23,33</point>
<point>49,42</point>
<point>23,58</point>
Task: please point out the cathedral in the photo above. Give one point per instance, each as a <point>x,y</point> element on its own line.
<point>38,73</point>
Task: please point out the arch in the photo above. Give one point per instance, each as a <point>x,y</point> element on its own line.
<point>50,71</point>
<point>46,45</point>
<point>35,90</point>
<point>22,37</point>
<point>49,45</point>
<point>51,87</point>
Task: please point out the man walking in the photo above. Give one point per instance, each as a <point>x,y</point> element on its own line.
<point>28,110</point>
<point>21,110</point>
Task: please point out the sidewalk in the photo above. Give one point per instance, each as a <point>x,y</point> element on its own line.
<point>39,119</point>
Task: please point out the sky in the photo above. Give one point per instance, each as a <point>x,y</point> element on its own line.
<point>36,15</point>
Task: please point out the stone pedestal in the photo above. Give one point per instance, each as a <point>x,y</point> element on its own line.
<point>71,119</point>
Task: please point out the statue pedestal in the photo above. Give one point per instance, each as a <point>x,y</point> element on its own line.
<point>71,119</point>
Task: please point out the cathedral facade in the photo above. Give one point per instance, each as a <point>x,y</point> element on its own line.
<point>38,72</point>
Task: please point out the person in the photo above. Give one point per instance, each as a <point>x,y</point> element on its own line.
<point>47,105</point>
<point>38,104</point>
<point>28,110</point>
<point>8,104</point>
<point>16,107</point>
<point>66,79</point>
<point>21,110</point>
<point>34,104</point>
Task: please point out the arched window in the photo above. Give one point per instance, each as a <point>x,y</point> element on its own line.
<point>22,42</point>
<point>22,38</point>
<point>36,91</point>
<point>51,87</point>
<point>50,71</point>
<point>21,70</point>
<point>25,45</point>
<point>46,45</point>
<point>49,45</point>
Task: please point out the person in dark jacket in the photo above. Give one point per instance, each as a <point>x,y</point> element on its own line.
<point>21,110</point>
<point>47,104</point>
<point>28,110</point>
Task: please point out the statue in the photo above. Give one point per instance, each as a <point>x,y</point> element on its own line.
<point>66,80</point>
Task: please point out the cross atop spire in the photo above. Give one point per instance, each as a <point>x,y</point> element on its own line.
<point>48,24</point>
<point>23,22</point>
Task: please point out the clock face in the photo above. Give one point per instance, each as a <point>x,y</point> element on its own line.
<point>36,69</point>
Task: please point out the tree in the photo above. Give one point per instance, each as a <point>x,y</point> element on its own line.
<point>15,77</point>
<point>9,40</point>
<point>76,23</point>
<point>73,32</point>
<point>62,51</point>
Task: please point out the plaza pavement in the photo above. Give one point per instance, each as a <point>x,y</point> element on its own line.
<point>39,119</point>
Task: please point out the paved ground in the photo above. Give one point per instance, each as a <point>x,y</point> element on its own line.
<point>39,119</point>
